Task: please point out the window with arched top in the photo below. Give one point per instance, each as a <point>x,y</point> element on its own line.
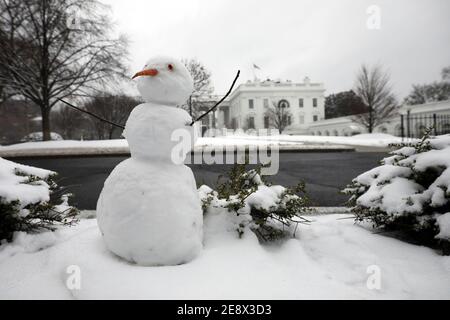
<point>283,104</point>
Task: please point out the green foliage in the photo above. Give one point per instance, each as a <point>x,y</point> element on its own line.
<point>343,104</point>
<point>426,93</point>
<point>240,184</point>
<point>417,217</point>
<point>432,92</point>
<point>36,217</point>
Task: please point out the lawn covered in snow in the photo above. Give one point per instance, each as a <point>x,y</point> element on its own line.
<point>367,140</point>
<point>120,146</point>
<point>328,260</point>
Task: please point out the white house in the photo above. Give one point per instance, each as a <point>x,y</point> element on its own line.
<point>246,107</point>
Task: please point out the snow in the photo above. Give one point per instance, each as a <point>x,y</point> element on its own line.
<point>265,197</point>
<point>438,159</point>
<point>27,243</point>
<point>14,187</point>
<point>391,197</point>
<point>394,186</point>
<point>120,146</point>
<point>171,86</point>
<point>67,148</point>
<point>155,141</point>
<point>369,140</point>
<point>443,222</point>
<point>329,260</point>
<point>388,187</point>
<point>149,211</point>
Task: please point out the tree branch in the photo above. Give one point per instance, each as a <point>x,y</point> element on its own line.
<point>92,114</point>
<point>221,100</point>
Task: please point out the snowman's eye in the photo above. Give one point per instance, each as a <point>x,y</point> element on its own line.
<point>170,66</point>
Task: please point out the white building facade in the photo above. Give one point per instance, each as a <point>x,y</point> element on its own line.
<point>410,121</point>
<point>246,108</point>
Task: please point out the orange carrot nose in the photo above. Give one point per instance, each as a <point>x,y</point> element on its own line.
<point>148,72</point>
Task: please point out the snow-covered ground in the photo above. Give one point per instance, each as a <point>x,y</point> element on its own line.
<point>331,259</point>
<point>368,140</point>
<point>120,146</point>
<point>14,186</point>
<point>67,147</point>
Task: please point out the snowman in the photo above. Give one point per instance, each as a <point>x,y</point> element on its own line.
<point>149,212</point>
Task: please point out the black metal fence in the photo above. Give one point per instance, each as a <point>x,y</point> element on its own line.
<point>414,126</point>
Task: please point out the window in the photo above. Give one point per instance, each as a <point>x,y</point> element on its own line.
<point>300,103</point>
<point>251,103</point>
<point>251,122</point>
<point>315,103</point>
<point>234,123</point>
<point>287,120</point>
<point>266,103</point>
<point>315,118</point>
<point>283,104</point>
<point>302,120</point>
<point>266,122</point>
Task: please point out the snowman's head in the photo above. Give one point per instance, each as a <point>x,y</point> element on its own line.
<point>164,80</point>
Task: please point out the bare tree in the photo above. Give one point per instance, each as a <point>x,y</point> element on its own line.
<point>56,49</point>
<point>430,92</point>
<point>202,86</point>
<point>68,122</point>
<point>425,93</point>
<point>372,86</point>
<point>114,108</point>
<point>4,95</point>
<point>16,119</point>
<point>446,74</point>
<point>279,115</point>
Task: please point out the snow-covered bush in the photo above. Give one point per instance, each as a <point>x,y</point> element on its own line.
<point>272,212</point>
<point>410,191</point>
<point>29,200</point>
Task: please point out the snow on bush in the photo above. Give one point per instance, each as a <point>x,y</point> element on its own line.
<point>251,203</point>
<point>410,191</point>
<point>27,201</point>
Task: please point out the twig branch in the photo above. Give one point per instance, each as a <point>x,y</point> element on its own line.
<point>221,100</point>
<point>92,114</point>
<point>122,127</point>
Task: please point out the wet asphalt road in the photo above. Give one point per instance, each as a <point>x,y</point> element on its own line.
<point>324,173</point>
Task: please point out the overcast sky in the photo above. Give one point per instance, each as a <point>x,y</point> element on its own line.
<point>325,40</point>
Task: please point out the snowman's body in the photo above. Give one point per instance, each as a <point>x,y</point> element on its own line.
<point>149,212</point>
